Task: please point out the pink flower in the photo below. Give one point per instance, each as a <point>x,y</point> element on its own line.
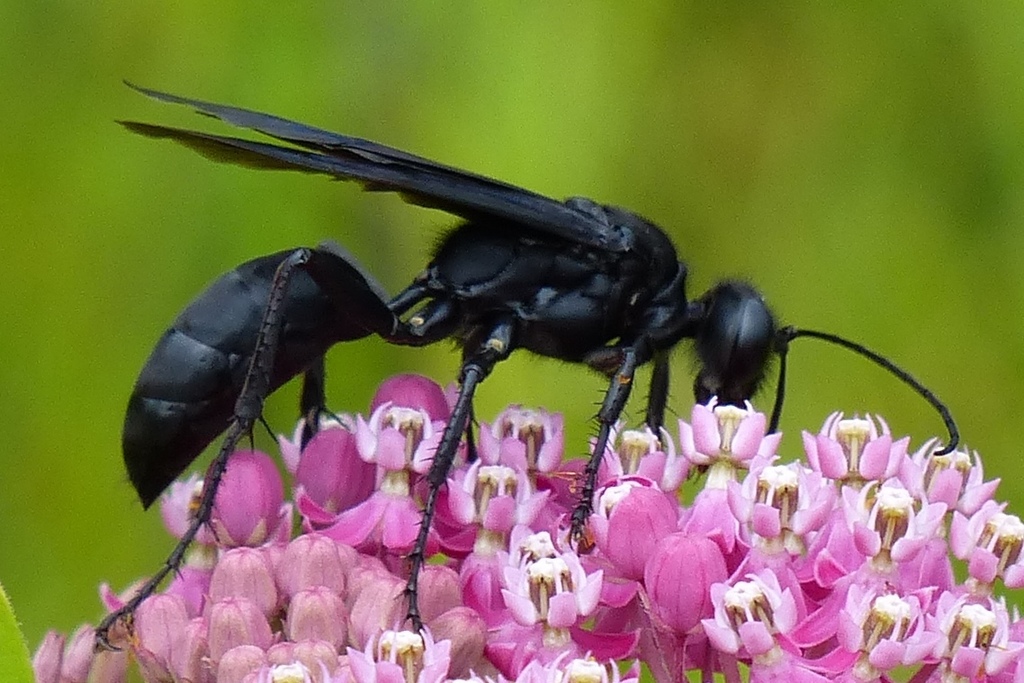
<point>317,614</point>
<point>329,472</point>
<point>175,644</point>
<point>853,451</point>
<point>496,498</point>
<point>956,479</point>
<point>401,656</point>
<point>416,392</point>
<point>885,630</point>
<point>725,439</point>
<point>766,575</point>
<point>975,637</point>
<point>398,440</point>
<point>314,560</point>
<point>783,504</point>
<point>401,441</point>
<point>886,525</point>
<point>245,573</point>
<point>579,670</point>
<point>991,541</point>
<point>642,453</point>
<point>528,440</point>
<point>553,591</point>
<point>47,658</point>
<point>76,661</point>
<point>749,615</point>
<point>239,662</point>
<point>467,632</point>
<point>236,621</point>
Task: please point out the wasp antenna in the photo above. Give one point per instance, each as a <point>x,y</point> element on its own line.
<point>788,334</point>
<point>782,348</point>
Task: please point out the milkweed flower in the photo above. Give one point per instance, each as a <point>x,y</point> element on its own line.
<point>837,565</point>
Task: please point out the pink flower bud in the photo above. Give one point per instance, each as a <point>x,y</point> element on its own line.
<point>78,656</point>
<point>331,472</point>
<point>439,591</point>
<point>468,634</point>
<point>160,625</point>
<point>413,391</point>
<point>314,655</point>
<point>234,622</point>
<point>314,560</point>
<point>47,658</point>
<point>238,662</point>
<point>379,606</point>
<point>630,522</point>
<point>245,573</point>
<point>317,614</point>
<point>192,582</point>
<point>248,505</point>
<point>191,661</point>
<point>678,578</point>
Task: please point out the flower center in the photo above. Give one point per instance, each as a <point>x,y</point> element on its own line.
<point>778,487</point>
<point>729,419</point>
<point>852,434</point>
<point>974,626</point>
<point>410,423</point>
<point>526,426</point>
<point>890,515</point>
<point>746,602</point>
<point>888,619</point>
<point>1003,536</point>
<point>957,460</point>
<point>548,576</point>
<point>405,648</point>
<point>289,673</point>
<point>633,446</point>
<point>491,481</point>
<point>585,671</point>
<point>537,546</point>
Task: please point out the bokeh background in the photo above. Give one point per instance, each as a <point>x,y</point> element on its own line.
<point>861,162</point>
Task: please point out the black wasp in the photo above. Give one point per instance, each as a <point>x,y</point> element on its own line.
<point>575,280</point>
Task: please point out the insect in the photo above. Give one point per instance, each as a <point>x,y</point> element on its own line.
<point>573,280</point>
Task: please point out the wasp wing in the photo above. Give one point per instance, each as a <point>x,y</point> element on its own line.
<point>381,168</point>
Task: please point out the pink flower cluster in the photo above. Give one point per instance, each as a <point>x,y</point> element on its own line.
<point>838,568</point>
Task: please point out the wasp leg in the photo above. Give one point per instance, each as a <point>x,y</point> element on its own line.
<point>475,368</point>
<point>615,399</point>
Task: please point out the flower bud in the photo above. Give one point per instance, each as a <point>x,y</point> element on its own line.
<point>47,658</point>
<point>468,634</point>
<point>438,590</point>
<point>413,391</point>
<point>637,518</point>
<point>247,508</point>
<point>234,622</point>
<point>678,578</point>
<point>317,614</point>
<point>314,560</point>
<point>238,662</point>
<point>160,624</point>
<point>245,573</point>
<point>332,474</point>
<point>78,656</point>
<point>314,655</point>
<point>379,606</point>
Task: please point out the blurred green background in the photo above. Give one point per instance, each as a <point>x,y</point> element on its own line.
<point>862,163</point>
